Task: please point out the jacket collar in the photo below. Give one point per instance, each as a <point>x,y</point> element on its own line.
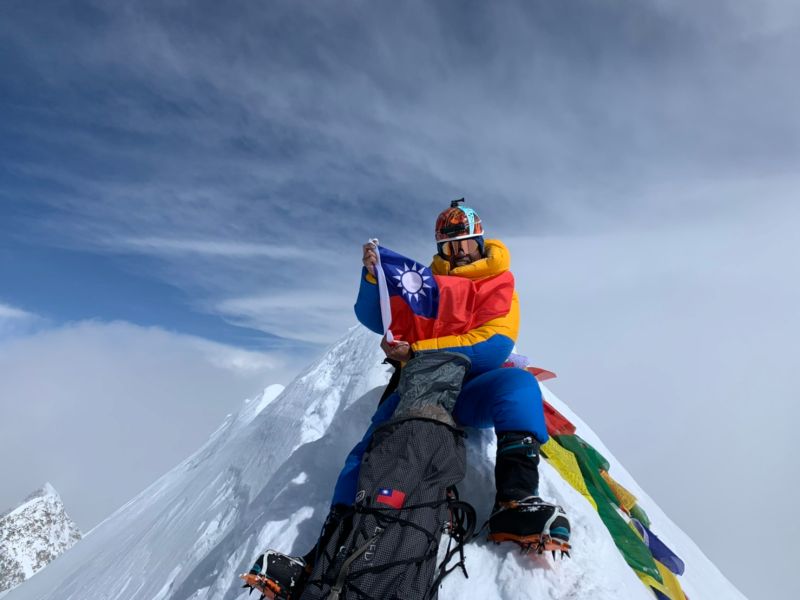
<point>498,260</point>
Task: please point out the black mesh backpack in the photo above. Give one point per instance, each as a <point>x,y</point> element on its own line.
<point>386,546</point>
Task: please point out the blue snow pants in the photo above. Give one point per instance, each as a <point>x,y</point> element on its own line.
<point>507,399</point>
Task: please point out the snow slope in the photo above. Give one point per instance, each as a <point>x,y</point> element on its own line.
<point>32,535</point>
<point>264,480</point>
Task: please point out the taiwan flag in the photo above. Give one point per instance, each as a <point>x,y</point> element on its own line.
<point>390,497</point>
<point>418,305</point>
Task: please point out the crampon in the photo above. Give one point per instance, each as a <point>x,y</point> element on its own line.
<point>533,524</point>
<point>269,588</point>
<point>276,576</point>
<point>534,543</point>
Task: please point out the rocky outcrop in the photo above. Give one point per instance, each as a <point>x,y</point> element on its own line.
<point>32,535</point>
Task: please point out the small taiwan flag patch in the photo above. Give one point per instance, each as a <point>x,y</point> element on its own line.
<point>390,497</point>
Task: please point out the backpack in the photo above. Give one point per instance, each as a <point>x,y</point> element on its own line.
<point>385,546</point>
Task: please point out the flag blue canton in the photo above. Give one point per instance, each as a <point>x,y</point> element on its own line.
<point>411,281</point>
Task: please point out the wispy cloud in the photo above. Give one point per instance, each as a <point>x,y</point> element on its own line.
<point>227,249</point>
<point>250,161</point>
<point>16,321</point>
<point>311,315</point>
<point>506,125</point>
<point>10,313</point>
<point>240,174</point>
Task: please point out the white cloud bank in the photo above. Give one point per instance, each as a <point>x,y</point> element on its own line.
<point>678,345</point>
<point>103,409</point>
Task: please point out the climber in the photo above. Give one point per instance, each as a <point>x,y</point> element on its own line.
<point>507,399</point>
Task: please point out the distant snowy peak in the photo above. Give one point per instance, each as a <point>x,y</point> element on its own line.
<point>32,535</point>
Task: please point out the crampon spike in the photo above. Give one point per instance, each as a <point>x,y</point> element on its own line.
<point>267,587</point>
<point>538,543</point>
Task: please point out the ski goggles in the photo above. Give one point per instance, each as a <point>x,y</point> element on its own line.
<point>467,246</point>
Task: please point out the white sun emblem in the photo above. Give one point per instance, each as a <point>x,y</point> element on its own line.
<point>412,281</point>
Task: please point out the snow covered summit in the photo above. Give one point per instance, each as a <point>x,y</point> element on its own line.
<point>32,535</point>
<point>264,480</point>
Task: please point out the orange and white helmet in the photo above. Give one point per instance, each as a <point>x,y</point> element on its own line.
<point>458,222</point>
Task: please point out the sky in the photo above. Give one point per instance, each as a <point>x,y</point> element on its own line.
<point>185,187</point>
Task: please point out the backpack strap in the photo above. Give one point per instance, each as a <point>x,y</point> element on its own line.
<point>338,586</point>
<point>393,381</point>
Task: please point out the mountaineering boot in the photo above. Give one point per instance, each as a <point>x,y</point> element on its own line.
<point>519,514</point>
<point>277,576</point>
<point>531,523</point>
<point>281,577</point>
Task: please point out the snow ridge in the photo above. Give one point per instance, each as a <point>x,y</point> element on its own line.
<point>32,535</point>
<point>264,480</point>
